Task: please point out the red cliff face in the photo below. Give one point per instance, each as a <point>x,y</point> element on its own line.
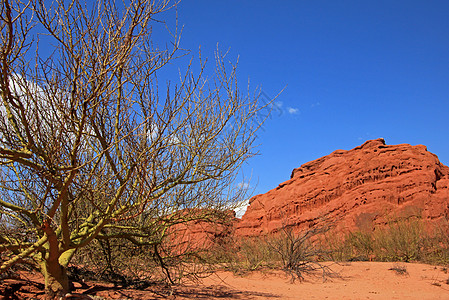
<point>359,188</point>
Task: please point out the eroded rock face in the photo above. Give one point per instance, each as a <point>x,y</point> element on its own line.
<point>198,233</point>
<point>360,188</point>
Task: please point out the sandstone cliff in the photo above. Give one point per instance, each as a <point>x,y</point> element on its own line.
<point>358,188</point>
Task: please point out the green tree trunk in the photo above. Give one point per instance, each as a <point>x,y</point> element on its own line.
<point>56,279</point>
<point>54,264</point>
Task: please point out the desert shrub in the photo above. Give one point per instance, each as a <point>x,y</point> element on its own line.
<point>256,253</point>
<point>401,240</point>
<point>115,261</point>
<point>352,246</point>
<point>362,245</point>
<point>243,254</point>
<point>297,254</point>
<point>336,246</point>
<point>399,269</point>
<point>301,253</point>
<point>404,240</point>
<point>126,264</point>
<point>438,245</point>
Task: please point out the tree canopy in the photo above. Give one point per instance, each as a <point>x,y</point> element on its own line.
<point>91,149</point>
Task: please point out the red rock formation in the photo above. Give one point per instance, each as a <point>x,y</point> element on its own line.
<point>359,188</point>
<point>200,229</point>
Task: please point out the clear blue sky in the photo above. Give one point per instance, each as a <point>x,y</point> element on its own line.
<point>354,70</point>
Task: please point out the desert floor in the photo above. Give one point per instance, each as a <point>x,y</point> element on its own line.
<point>355,280</point>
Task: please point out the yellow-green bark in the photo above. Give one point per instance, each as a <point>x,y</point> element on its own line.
<point>56,280</point>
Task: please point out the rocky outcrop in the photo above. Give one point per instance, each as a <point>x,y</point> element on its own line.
<point>359,188</point>
<point>198,229</point>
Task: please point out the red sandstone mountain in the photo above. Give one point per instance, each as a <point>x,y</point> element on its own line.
<point>359,188</point>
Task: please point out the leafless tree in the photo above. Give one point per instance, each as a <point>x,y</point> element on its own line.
<point>89,149</point>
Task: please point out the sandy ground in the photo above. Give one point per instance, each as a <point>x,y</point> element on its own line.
<point>356,280</point>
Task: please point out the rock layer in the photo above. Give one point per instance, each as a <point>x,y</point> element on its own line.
<point>359,188</point>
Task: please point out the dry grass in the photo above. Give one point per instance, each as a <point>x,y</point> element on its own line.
<point>400,241</point>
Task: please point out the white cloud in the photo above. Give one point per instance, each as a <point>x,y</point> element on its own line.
<point>153,134</point>
<point>243,185</point>
<point>278,104</point>
<point>292,110</point>
<point>241,209</point>
<point>44,111</point>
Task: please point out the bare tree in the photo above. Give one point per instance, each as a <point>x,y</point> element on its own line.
<point>89,149</point>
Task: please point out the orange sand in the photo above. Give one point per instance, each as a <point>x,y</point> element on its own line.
<point>356,280</point>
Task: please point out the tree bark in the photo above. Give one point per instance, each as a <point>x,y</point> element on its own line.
<point>56,279</point>
<point>55,273</point>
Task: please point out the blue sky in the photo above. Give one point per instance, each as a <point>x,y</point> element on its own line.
<point>352,71</point>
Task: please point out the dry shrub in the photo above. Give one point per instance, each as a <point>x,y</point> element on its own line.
<point>255,253</point>
<point>362,245</point>
<point>399,269</point>
<point>115,261</point>
<point>402,240</point>
<point>243,254</point>
<point>438,252</point>
<point>297,254</point>
<point>301,253</point>
<point>125,264</point>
